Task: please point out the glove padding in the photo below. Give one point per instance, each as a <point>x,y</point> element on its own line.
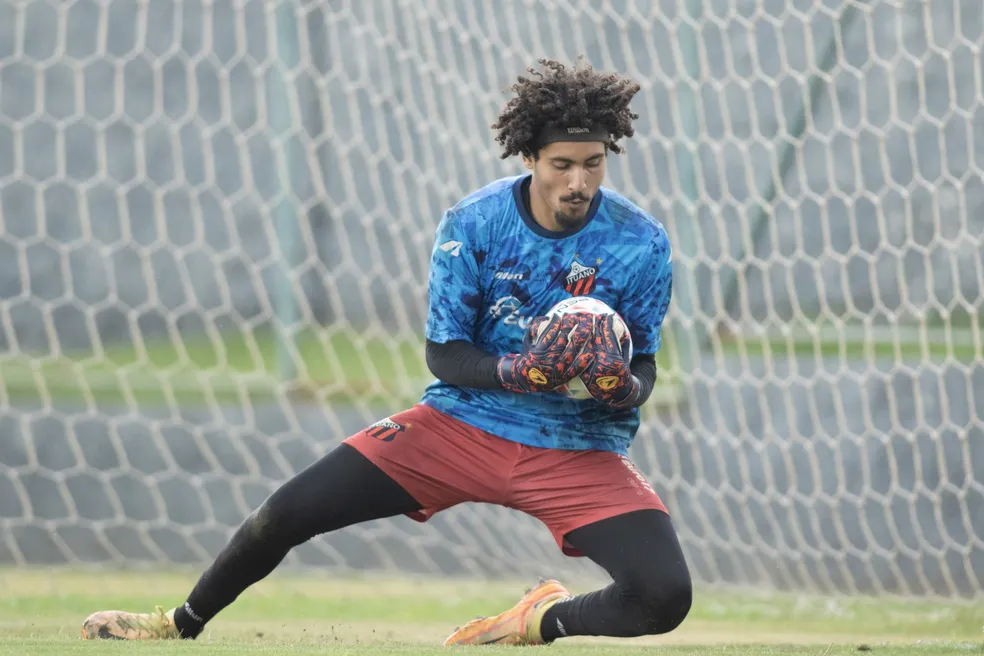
<point>558,355</point>
<point>608,378</point>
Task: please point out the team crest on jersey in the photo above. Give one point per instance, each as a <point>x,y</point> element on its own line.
<point>580,280</point>
<point>386,430</point>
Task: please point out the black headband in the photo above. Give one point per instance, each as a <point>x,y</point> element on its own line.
<point>551,133</point>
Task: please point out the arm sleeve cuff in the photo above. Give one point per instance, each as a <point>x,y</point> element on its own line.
<point>461,363</point>
<point>643,367</point>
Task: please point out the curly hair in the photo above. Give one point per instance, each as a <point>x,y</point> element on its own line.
<point>560,96</point>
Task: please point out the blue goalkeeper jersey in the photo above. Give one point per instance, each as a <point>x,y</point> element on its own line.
<point>494,269</point>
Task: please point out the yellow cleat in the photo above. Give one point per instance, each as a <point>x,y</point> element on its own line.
<point>520,625</point>
<point>119,625</point>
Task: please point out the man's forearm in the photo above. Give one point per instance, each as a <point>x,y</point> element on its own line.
<point>463,364</point>
<point>643,368</point>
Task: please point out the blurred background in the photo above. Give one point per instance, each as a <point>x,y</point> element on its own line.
<point>215,225</point>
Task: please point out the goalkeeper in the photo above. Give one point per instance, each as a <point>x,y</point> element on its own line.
<point>490,429</point>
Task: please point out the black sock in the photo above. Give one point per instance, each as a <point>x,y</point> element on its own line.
<point>605,612</point>
<point>553,626</point>
<point>188,622</point>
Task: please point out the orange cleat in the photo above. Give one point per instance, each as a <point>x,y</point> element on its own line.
<point>520,625</point>
<point>120,625</point>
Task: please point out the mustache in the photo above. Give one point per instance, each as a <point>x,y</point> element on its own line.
<point>567,199</point>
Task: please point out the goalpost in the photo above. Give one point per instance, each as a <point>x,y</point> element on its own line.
<point>215,224</point>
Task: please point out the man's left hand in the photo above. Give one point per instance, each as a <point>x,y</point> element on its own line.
<point>609,379</point>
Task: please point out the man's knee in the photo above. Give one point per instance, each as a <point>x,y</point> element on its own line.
<point>276,520</point>
<point>262,523</point>
<point>672,604</point>
<point>661,596</point>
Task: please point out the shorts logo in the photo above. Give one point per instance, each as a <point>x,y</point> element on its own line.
<point>580,280</point>
<point>386,430</point>
<point>607,383</point>
<point>637,480</point>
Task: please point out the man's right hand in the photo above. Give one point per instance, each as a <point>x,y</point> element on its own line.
<point>550,360</point>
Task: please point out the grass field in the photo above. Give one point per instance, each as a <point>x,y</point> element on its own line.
<point>41,613</point>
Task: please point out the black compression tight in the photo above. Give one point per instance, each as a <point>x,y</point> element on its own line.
<point>650,593</point>
<point>340,489</point>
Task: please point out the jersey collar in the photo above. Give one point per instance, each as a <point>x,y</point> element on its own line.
<point>524,212</point>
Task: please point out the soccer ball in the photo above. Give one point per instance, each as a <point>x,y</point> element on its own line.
<point>575,388</point>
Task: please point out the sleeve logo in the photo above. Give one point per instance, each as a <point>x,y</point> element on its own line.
<point>452,248</point>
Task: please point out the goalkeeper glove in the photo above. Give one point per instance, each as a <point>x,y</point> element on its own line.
<point>550,358</point>
<point>608,378</point>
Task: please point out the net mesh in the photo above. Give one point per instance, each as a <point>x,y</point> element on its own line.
<point>216,222</point>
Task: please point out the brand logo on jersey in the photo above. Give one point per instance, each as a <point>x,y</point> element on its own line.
<point>580,280</point>
<point>512,269</point>
<point>452,248</point>
<point>507,308</point>
<point>386,430</point>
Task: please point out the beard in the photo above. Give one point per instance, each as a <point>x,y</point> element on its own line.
<point>574,217</point>
<point>568,221</point>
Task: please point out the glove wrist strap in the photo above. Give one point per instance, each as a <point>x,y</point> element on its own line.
<point>631,398</point>
<point>506,375</point>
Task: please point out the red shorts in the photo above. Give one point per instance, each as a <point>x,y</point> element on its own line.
<point>442,461</point>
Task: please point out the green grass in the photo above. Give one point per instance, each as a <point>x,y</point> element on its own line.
<point>331,646</point>
<point>41,613</point>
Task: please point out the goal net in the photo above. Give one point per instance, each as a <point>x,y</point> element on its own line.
<point>215,225</point>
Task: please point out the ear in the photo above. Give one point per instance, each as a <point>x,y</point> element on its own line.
<point>529,161</point>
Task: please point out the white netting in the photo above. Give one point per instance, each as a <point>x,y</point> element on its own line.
<point>216,220</point>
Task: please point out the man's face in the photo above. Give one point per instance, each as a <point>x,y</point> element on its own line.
<point>566,176</point>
